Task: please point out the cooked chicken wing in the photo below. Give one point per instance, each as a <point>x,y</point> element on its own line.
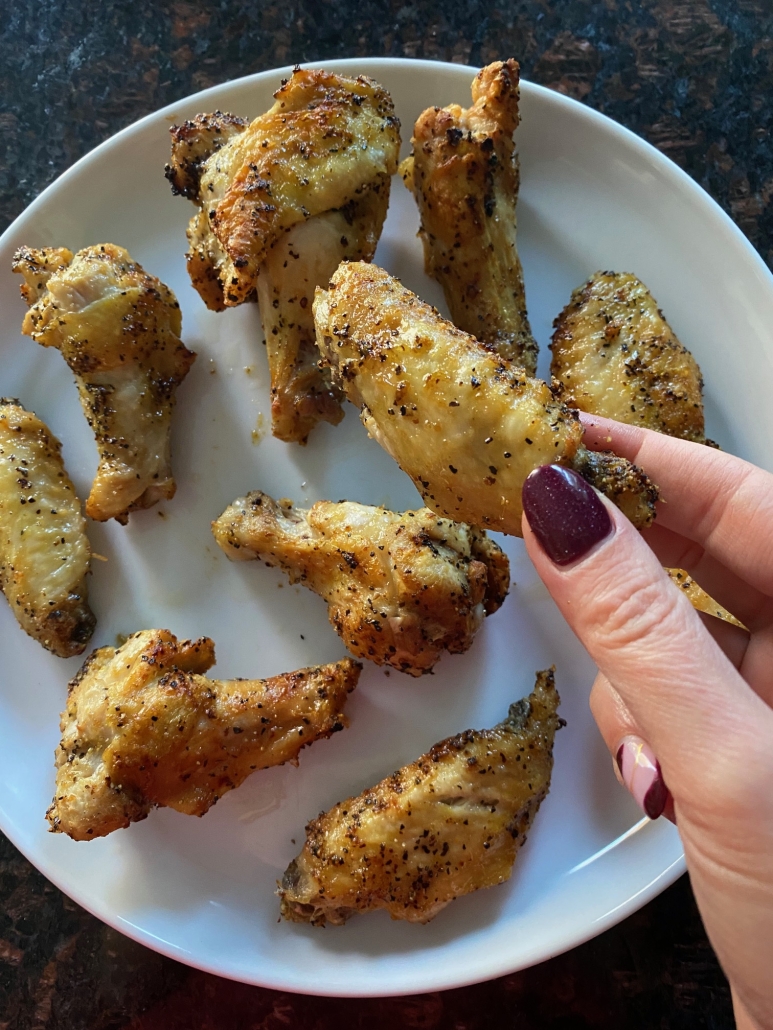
<point>143,728</point>
<point>282,201</point>
<point>465,424</point>
<point>118,329</point>
<point>615,355</point>
<point>464,175</point>
<point>401,587</point>
<point>302,259</point>
<point>44,551</point>
<point>444,826</point>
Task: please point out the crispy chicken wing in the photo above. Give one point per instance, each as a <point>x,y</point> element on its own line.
<point>615,355</point>
<point>44,551</point>
<point>464,175</point>
<point>401,587</point>
<point>118,328</point>
<point>465,424</point>
<point>444,826</point>
<point>282,201</point>
<point>143,728</point>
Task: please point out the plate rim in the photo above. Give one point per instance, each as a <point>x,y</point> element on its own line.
<point>709,209</point>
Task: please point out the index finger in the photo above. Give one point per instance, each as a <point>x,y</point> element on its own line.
<point>723,503</point>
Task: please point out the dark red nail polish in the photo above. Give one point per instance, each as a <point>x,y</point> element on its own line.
<point>656,797</point>
<point>564,513</point>
<point>619,758</point>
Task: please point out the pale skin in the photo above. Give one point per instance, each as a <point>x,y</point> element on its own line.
<point>697,691</point>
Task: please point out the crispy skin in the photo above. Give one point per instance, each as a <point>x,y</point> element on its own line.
<point>464,175</point>
<point>700,600</point>
<point>281,202</point>
<point>143,728</point>
<point>325,140</point>
<point>465,424</point>
<point>401,587</point>
<point>44,552</point>
<point>446,825</point>
<point>615,355</point>
<point>118,329</point>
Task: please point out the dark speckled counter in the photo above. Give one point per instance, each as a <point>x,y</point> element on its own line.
<point>695,78</point>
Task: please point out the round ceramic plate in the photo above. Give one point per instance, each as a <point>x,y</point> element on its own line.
<point>202,890</point>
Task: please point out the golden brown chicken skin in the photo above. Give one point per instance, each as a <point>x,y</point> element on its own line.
<point>463,172</point>
<point>466,425</point>
<point>118,329</point>
<point>615,355</point>
<point>44,552</point>
<point>281,202</point>
<point>143,728</point>
<point>401,587</point>
<point>444,826</point>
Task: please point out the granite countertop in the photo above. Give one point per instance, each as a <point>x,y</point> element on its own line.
<point>695,78</point>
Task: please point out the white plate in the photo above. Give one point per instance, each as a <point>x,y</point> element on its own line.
<point>593,196</point>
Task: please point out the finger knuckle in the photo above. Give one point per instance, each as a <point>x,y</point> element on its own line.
<point>633,612</point>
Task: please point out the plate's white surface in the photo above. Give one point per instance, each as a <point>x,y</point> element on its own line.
<point>593,196</point>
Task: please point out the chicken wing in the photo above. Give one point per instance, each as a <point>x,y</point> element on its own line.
<point>464,175</point>
<point>118,329</point>
<point>44,552</point>
<point>615,355</point>
<point>143,728</point>
<point>281,202</point>
<point>465,424</point>
<point>401,587</point>
<point>444,826</point>
<point>302,259</point>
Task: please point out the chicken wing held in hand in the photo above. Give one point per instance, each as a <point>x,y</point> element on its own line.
<point>281,202</point>
<point>44,552</point>
<point>401,587</point>
<point>144,728</point>
<point>615,355</point>
<point>466,425</point>
<point>118,329</point>
<point>444,826</point>
<point>463,172</point>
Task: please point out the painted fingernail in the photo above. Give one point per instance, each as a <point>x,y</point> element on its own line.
<point>564,513</point>
<point>642,775</point>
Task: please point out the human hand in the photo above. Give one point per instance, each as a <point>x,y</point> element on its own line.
<point>684,702</point>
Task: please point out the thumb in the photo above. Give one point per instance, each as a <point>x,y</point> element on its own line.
<point>689,703</point>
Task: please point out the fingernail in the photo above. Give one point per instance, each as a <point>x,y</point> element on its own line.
<point>564,513</point>
<point>642,776</point>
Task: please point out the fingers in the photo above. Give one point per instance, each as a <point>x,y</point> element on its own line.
<point>633,761</point>
<point>706,496</point>
<point>751,606</point>
<point>688,702</point>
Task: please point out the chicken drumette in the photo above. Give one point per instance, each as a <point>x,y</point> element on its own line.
<point>401,587</point>
<point>466,425</point>
<point>282,201</point>
<point>118,328</point>
<point>464,175</point>
<point>447,825</point>
<point>615,355</point>
<point>44,551</point>
<point>143,728</point>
